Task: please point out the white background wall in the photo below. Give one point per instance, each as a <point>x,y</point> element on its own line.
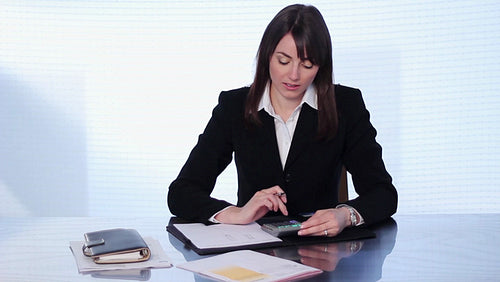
<point>102,101</point>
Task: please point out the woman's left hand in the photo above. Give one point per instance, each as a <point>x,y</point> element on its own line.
<point>329,222</point>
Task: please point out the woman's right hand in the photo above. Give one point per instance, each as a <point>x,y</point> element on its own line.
<point>270,199</point>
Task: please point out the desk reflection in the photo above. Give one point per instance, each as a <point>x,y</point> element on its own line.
<point>360,260</point>
<point>123,274</point>
<point>325,257</point>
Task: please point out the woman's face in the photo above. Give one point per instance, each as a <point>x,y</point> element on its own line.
<point>290,76</point>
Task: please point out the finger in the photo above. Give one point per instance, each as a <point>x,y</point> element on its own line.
<point>329,249</point>
<point>276,190</point>
<point>263,202</point>
<point>282,208</point>
<point>274,202</point>
<point>315,220</point>
<point>331,232</point>
<point>271,190</point>
<point>282,197</point>
<point>315,230</point>
<point>317,254</point>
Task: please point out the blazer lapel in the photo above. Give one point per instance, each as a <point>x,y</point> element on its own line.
<point>305,132</point>
<point>267,139</point>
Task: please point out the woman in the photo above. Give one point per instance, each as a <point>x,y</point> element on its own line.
<point>290,132</point>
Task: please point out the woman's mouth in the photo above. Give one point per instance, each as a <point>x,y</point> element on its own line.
<point>290,86</point>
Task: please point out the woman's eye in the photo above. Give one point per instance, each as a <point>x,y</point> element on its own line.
<point>308,65</point>
<point>283,62</point>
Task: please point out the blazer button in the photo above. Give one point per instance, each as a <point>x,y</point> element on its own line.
<point>288,178</point>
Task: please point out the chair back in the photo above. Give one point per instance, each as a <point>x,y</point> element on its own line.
<point>343,194</point>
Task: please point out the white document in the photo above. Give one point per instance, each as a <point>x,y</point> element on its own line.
<point>225,235</point>
<point>158,259</point>
<point>249,266</point>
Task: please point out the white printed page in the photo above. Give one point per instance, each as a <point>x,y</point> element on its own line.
<point>224,235</point>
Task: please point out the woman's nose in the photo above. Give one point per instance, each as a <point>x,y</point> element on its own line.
<point>294,73</point>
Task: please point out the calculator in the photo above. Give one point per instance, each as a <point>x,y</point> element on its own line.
<point>282,228</point>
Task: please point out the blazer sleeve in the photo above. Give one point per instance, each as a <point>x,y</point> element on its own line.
<point>189,194</point>
<point>362,157</point>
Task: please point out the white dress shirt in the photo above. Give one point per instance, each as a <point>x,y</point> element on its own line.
<point>285,129</point>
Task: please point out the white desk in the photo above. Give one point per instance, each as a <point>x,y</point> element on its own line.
<point>417,248</point>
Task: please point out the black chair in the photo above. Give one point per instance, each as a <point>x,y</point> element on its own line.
<point>343,194</point>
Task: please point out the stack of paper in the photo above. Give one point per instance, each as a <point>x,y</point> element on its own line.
<point>249,266</point>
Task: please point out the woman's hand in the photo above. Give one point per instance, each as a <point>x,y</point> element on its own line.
<point>329,222</point>
<point>271,199</point>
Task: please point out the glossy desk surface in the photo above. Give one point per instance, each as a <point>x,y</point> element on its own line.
<point>408,248</point>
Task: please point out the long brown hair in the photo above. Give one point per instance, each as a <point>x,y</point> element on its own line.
<point>311,35</point>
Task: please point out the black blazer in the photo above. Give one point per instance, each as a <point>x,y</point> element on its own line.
<point>311,174</point>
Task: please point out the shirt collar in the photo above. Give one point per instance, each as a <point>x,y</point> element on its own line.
<point>310,97</point>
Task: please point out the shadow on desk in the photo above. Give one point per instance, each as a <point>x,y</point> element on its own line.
<point>359,260</point>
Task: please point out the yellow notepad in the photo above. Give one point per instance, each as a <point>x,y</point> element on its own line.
<point>239,273</point>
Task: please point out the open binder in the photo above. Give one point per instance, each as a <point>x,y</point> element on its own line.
<point>348,234</point>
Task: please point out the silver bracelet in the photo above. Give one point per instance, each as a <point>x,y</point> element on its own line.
<point>352,214</point>
<point>354,219</point>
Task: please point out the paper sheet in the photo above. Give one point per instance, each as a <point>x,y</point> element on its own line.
<point>158,259</point>
<point>225,235</point>
<point>248,266</point>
